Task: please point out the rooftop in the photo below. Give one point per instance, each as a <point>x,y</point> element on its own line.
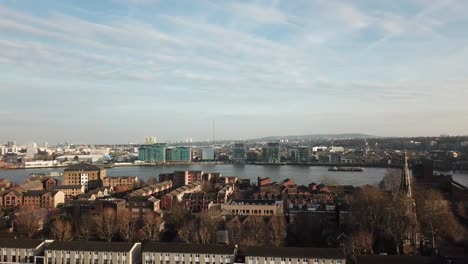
<point>91,246</point>
<point>293,252</point>
<point>59,187</point>
<point>82,167</point>
<point>19,243</point>
<point>187,248</point>
<point>38,192</point>
<point>395,259</point>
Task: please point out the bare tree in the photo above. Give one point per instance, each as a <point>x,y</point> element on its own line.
<point>61,229</point>
<point>85,229</point>
<point>277,234</point>
<point>126,225</point>
<point>188,232</point>
<point>106,224</point>
<point>253,233</point>
<point>29,221</point>
<point>360,243</point>
<point>367,204</point>
<point>391,180</point>
<point>399,222</point>
<point>234,229</point>
<point>208,225</point>
<point>177,216</point>
<point>152,225</point>
<point>436,218</point>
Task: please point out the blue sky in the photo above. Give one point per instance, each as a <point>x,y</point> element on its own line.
<point>117,71</point>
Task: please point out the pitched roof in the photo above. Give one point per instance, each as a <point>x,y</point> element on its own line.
<point>19,243</point>
<point>38,192</point>
<point>91,246</point>
<point>293,252</point>
<point>187,248</point>
<point>60,187</point>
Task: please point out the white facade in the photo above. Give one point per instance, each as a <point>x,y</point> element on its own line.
<point>150,140</point>
<point>40,164</point>
<point>84,180</point>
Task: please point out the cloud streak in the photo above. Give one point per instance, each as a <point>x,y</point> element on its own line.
<point>230,59</point>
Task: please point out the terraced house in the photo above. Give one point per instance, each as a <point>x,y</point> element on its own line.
<point>176,253</point>
<point>20,250</point>
<point>92,252</point>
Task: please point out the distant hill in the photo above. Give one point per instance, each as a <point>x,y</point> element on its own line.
<point>316,137</point>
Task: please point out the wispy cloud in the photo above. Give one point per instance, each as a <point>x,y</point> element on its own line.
<point>231,58</point>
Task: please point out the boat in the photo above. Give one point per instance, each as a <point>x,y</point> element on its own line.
<point>349,169</point>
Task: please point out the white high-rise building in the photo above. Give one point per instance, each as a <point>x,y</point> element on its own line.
<point>150,140</point>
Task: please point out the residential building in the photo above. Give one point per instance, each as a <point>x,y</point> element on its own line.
<point>90,208</point>
<point>199,201</point>
<point>175,253</point>
<point>253,155</point>
<point>270,153</point>
<point>181,178</point>
<point>20,250</point>
<point>47,181</point>
<point>152,153</point>
<point>97,193</point>
<point>121,182</point>
<point>292,255</point>
<point>43,199</point>
<point>176,196</point>
<point>153,189</point>
<point>238,153</point>
<point>208,153</point>
<point>70,191</point>
<point>150,140</point>
<point>10,198</point>
<point>139,206</point>
<point>90,176</point>
<point>254,207</point>
<point>31,185</point>
<point>303,154</point>
<point>334,158</point>
<point>92,252</point>
<point>181,154</point>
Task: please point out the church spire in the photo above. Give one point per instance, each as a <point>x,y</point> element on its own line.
<point>405,185</point>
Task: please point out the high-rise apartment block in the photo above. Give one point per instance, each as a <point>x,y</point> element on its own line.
<point>303,154</point>
<point>152,153</point>
<point>270,153</point>
<point>238,153</point>
<point>150,140</point>
<point>179,154</point>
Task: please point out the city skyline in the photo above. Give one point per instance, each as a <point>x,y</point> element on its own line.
<point>119,71</point>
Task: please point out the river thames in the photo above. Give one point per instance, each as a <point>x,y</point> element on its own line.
<point>301,174</point>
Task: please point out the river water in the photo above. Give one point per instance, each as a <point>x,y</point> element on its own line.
<point>301,174</point>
